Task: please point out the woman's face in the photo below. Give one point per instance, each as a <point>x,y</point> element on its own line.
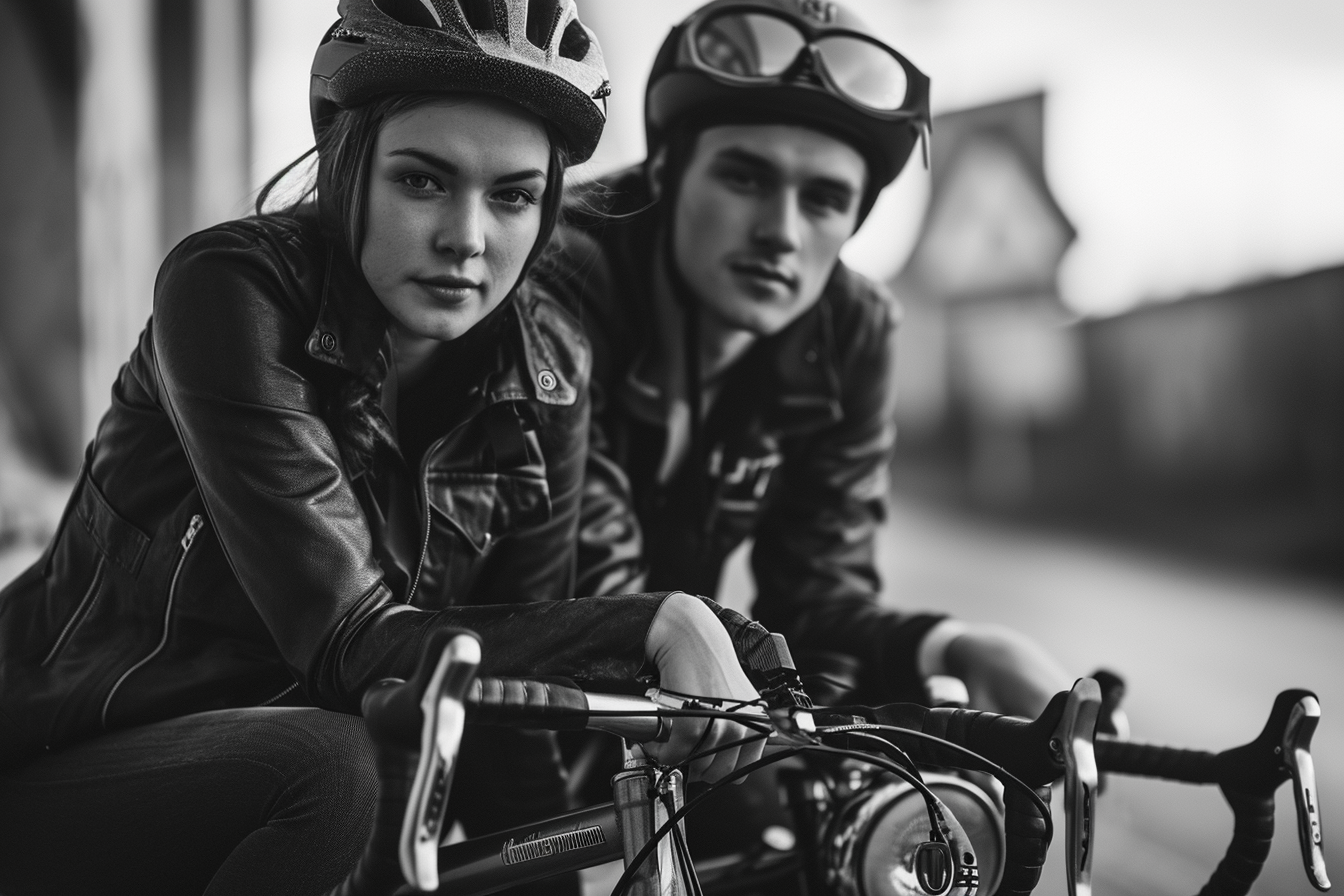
<point>453,211</point>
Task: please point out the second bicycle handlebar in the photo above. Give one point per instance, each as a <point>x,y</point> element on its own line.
<point>1032,751</point>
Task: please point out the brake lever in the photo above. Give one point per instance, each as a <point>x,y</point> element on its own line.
<point>1073,744</point>
<point>1112,719</point>
<point>1296,747</point>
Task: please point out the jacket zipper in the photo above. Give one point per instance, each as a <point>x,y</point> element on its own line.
<point>80,611</point>
<point>279,695</point>
<point>424,542</point>
<point>188,538</point>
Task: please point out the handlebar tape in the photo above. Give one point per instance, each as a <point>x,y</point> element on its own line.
<point>1252,831</point>
<point>1022,747</point>
<point>526,703</point>
<point>1247,775</point>
<point>1025,842</point>
<point>1127,757</point>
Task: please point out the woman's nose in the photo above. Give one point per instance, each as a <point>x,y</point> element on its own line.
<point>461,230</point>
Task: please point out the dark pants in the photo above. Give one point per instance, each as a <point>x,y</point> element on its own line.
<point>248,801</point>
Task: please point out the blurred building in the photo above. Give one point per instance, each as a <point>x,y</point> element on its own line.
<point>1213,422</point>
<point>987,340</point>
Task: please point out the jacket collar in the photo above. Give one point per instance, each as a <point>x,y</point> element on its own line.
<point>352,333</point>
<point>800,372</point>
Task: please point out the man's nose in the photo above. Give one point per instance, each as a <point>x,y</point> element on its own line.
<point>461,229</point>
<point>779,222</point>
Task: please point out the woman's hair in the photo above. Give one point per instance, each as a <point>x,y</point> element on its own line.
<point>340,193</point>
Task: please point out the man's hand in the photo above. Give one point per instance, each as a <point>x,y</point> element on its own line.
<point>1004,670</point>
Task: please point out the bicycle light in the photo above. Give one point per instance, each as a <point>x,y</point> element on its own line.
<point>877,842</point>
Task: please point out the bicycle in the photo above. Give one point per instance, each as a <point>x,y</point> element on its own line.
<point>849,841</point>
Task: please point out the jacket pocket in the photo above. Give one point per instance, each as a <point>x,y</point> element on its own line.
<point>115,542</point>
<point>80,612</point>
<point>62,626</point>
<point>466,501</point>
<point>484,507</point>
<point>194,526</point>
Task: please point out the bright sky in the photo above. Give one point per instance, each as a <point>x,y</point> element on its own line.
<point>1195,144</point>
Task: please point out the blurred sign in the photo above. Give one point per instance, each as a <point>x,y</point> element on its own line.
<point>993,228</point>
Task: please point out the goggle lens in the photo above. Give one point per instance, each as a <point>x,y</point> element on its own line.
<point>748,45</point>
<point>865,72</point>
<point>755,45</point>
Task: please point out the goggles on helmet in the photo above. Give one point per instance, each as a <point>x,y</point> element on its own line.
<point>751,46</point>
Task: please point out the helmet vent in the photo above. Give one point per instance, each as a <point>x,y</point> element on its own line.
<point>574,43</point>
<point>420,13</point>
<point>542,17</point>
<point>480,15</point>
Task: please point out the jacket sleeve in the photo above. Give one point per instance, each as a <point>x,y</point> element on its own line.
<point>233,376</point>
<point>610,540</point>
<point>814,554</point>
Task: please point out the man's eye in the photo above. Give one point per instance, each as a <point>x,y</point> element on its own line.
<point>738,179</point>
<point>828,201</point>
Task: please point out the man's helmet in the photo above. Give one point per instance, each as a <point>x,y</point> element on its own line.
<point>535,53</point>
<point>805,62</point>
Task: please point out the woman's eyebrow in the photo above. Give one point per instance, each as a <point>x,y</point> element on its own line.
<point>449,168</point>
<point>427,157</point>
<point>528,174</point>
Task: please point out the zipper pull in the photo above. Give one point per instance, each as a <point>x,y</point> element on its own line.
<point>196,524</point>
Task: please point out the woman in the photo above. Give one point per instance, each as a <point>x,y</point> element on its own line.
<point>346,426</point>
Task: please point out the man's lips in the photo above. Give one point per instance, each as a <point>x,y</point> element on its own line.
<point>763,270</point>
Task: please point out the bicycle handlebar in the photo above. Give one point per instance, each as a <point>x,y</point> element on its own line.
<point>1247,776</point>
<point>1037,752</point>
<point>1023,746</point>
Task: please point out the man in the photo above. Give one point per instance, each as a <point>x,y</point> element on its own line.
<point>743,376</point>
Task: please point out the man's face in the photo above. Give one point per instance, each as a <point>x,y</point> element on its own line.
<point>761,215</point>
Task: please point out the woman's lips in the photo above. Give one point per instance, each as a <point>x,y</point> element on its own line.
<point>449,289</point>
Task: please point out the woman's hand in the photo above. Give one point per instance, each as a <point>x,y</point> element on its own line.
<point>694,655</point>
<point>1004,670</point>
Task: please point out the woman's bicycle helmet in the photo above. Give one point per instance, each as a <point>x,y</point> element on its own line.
<point>790,61</point>
<point>535,53</point>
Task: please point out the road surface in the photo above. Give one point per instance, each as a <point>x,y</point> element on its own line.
<point>1204,652</point>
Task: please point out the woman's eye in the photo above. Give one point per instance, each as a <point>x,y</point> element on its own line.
<point>419,183</point>
<point>516,197</point>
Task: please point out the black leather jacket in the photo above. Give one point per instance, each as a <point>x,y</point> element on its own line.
<point>796,452</point>
<point>216,552</point>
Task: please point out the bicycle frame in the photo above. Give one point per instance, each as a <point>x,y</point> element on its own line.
<point>559,845</point>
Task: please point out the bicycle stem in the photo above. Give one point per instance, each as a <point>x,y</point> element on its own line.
<point>642,793</point>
